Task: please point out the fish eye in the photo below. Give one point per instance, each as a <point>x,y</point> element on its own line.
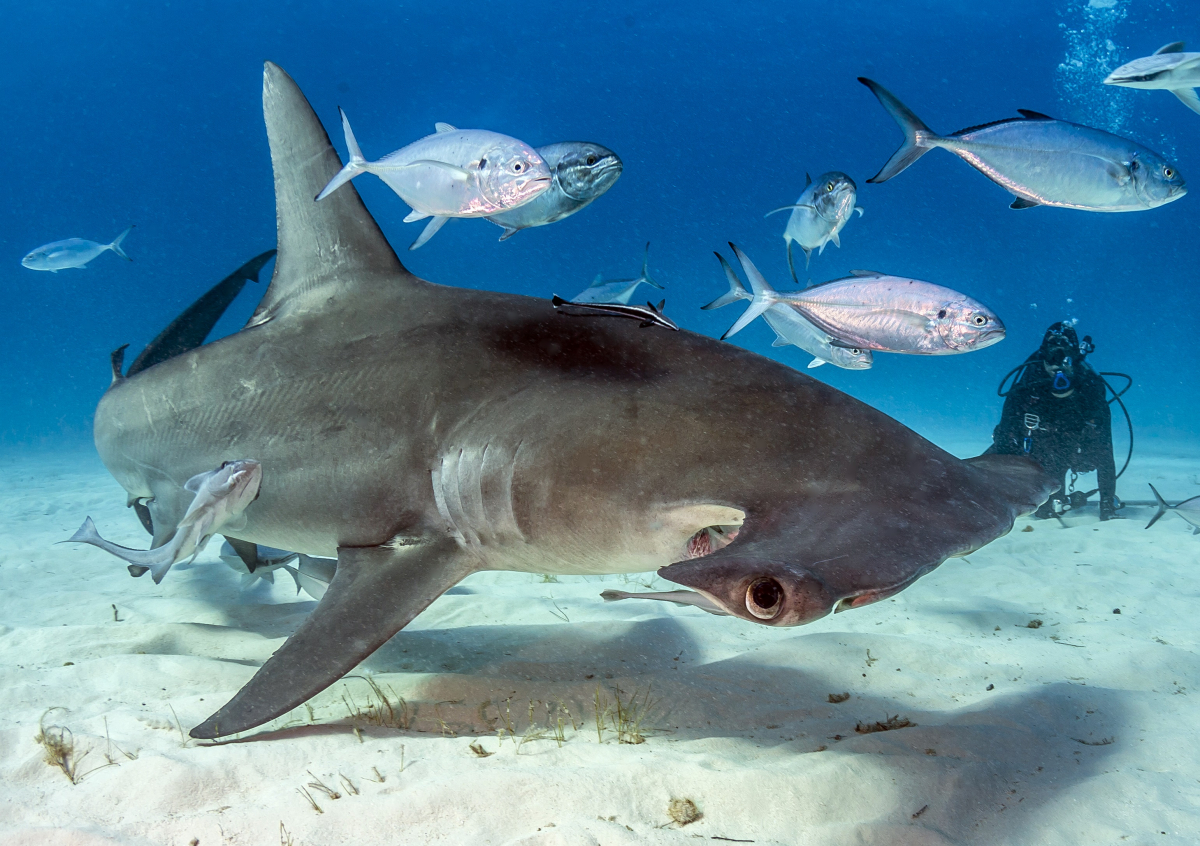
<point>942,314</point>
<point>1168,172</point>
<point>764,598</point>
<point>518,167</point>
<point>979,320</point>
<point>828,186</point>
<point>591,160</point>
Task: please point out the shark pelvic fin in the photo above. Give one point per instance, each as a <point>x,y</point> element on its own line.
<point>327,249</point>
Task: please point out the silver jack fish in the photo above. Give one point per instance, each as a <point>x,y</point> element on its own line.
<point>819,215</point>
<point>1169,69</point>
<point>889,313</point>
<point>73,252</point>
<point>220,498</point>
<point>791,328</point>
<point>1043,161</point>
<point>581,172</point>
<point>452,173</point>
<point>617,290</point>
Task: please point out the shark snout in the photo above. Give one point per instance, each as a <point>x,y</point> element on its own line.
<point>773,593</point>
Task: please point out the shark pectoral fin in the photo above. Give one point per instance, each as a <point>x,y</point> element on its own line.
<point>431,229</point>
<point>375,592</point>
<point>246,551</point>
<point>1188,97</point>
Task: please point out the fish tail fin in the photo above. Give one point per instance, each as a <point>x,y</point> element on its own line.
<point>1163,508</point>
<point>352,168</point>
<point>86,534</point>
<point>646,277</point>
<point>919,139</point>
<point>736,291</point>
<point>115,246</point>
<point>764,295</point>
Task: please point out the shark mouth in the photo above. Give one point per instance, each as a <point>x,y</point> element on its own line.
<point>709,540</point>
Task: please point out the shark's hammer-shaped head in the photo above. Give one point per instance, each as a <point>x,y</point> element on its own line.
<point>774,593</point>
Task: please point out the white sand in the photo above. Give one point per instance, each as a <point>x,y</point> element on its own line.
<point>739,722</point>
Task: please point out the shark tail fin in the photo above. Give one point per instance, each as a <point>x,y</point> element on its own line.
<point>329,252</point>
<point>919,139</point>
<point>1163,508</point>
<point>115,246</point>
<point>736,291</point>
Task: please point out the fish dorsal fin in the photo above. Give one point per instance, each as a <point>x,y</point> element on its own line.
<point>807,179</point>
<point>326,249</point>
<point>1173,47</point>
<point>444,127</point>
<point>866,273</point>
<point>1030,114</point>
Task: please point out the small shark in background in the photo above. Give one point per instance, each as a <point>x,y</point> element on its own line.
<point>820,213</point>
<point>220,497</point>
<point>1169,69</point>
<point>617,290</point>
<point>1189,510</point>
<point>73,252</point>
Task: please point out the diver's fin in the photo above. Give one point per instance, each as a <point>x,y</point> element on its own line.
<point>1173,47</point>
<point>1022,203</point>
<point>917,136</point>
<point>736,291</point>
<point>1163,508</point>
<point>375,592</point>
<point>327,250</point>
<point>189,329</point>
<point>431,229</point>
<point>1188,97</point>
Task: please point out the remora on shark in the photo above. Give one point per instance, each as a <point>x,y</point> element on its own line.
<point>421,433</point>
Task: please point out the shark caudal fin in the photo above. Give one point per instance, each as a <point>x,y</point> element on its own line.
<point>918,138</point>
<point>1163,508</point>
<point>329,250</point>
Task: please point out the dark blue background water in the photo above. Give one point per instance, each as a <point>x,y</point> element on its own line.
<point>145,113</point>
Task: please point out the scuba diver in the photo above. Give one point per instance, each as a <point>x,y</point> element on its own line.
<point>1057,413</point>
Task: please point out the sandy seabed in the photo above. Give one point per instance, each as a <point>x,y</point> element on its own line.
<point>1080,729</point>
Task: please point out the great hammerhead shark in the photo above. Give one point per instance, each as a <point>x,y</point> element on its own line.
<point>421,433</point>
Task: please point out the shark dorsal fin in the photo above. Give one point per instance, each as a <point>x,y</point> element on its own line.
<point>325,248</point>
<point>1173,47</point>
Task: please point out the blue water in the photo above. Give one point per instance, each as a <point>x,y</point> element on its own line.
<point>151,114</point>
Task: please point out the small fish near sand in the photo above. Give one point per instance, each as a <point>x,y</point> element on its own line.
<point>72,253</point>
<point>221,496</point>
<point>875,311</point>
<point>452,173</point>
<point>1189,510</point>
<point>1169,69</point>
<point>790,327</point>
<point>617,290</point>
<point>820,213</point>
<point>1043,161</point>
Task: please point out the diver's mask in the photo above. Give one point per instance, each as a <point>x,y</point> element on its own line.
<point>1059,361</point>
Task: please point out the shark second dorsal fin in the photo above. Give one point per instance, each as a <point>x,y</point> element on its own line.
<point>326,249</point>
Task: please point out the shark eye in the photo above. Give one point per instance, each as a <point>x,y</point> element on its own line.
<point>764,598</point>
<point>591,160</point>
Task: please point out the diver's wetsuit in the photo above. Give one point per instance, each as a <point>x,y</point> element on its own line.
<point>1073,432</point>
